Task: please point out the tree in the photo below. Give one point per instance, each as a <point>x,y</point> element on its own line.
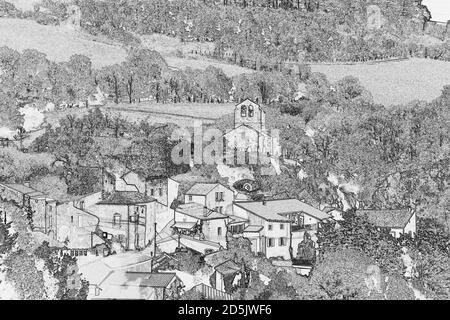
<point>7,240</point>
<point>112,80</point>
<point>81,77</point>
<point>10,117</point>
<point>429,251</point>
<point>64,268</point>
<point>356,232</point>
<point>31,78</point>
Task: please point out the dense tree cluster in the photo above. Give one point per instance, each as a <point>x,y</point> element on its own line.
<point>265,34</point>
<point>32,270</point>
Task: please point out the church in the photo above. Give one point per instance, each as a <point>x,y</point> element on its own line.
<point>249,141</point>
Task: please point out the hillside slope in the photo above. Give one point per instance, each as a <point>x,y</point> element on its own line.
<point>57,42</point>
<point>396,82</point>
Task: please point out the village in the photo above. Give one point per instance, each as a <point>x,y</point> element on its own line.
<point>224,150</point>
<point>127,235</point>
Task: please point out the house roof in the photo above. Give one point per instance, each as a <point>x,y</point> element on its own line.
<point>147,176</point>
<point>236,220</point>
<point>253,228</point>
<point>228,267</point>
<point>388,218</point>
<point>126,198</point>
<point>201,189</point>
<point>204,188</point>
<point>249,128</point>
<point>184,225</point>
<point>199,211</point>
<point>141,279</point>
<point>32,193</point>
<point>275,210</point>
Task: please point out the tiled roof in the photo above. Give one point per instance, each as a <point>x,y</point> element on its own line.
<point>199,211</point>
<point>388,218</point>
<point>253,228</point>
<point>201,189</point>
<point>140,279</point>
<point>156,280</point>
<point>25,190</point>
<point>274,210</point>
<point>228,267</point>
<point>127,197</point>
<point>184,225</point>
<point>236,220</point>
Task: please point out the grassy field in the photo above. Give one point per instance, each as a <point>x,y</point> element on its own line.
<point>170,49</point>
<point>182,114</point>
<point>389,82</point>
<point>57,42</point>
<point>395,82</point>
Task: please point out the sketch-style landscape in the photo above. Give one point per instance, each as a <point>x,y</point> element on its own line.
<point>224,150</point>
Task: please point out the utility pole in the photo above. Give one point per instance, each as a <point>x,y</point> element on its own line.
<point>154,242</point>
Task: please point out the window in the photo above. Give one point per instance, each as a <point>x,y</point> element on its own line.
<point>152,192</point>
<point>270,227</point>
<point>282,242</point>
<point>281,226</point>
<point>219,196</point>
<point>160,192</point>
<point>219,231</point>
<point>116,219</point>
<point>220,209</point>
<point>251,112</point>
<point>80,221</point>
<point>243,111</point>
<point>50,208</point>
<point>190,198</point>
<point>270,242</point>
<point>71,219</point>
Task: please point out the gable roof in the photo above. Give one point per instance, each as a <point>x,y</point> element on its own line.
<point>198,211</point>
<point>147,279</point>
<point>251,228</point>
<point>204,188</point>
<point>227,267</point>
<point>147,176</point>
<point>275,210</point>
<point>126,198</point>
<point>201,189</point>
<point>249,128</point>
<point>388,218</point>
<point>32,193</point>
